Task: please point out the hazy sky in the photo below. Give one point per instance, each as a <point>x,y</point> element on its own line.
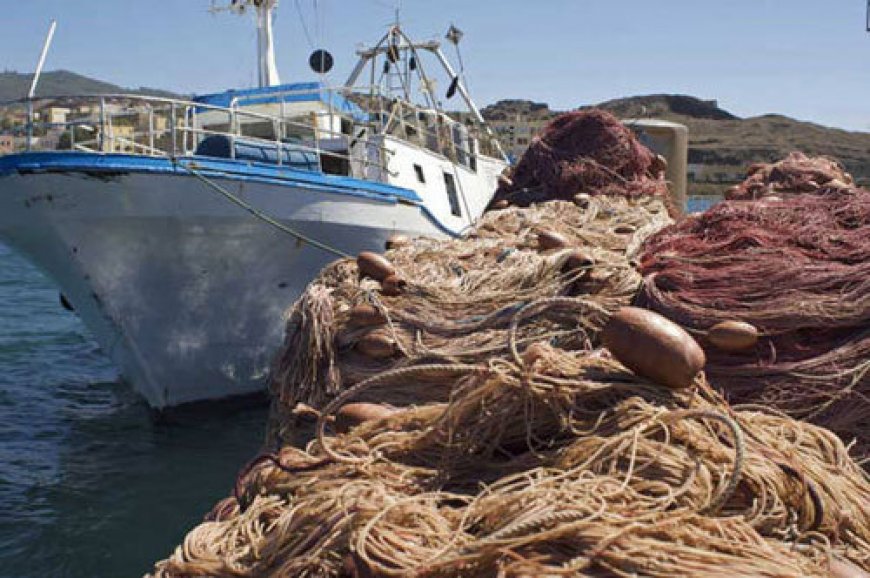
<point>809,59</point>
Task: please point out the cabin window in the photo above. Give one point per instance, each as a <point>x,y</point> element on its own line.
<point>418,170</point>
<point>450,185</point>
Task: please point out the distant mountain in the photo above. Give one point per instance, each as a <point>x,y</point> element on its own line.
<point>724,143</point>
<point>664,105</point>
<point>728,144</point>
<point>504,109</point>
<point>14,85</point>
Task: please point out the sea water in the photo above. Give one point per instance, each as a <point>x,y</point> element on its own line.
<point>91,484</point>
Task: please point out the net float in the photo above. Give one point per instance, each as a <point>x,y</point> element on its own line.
<point>365,314</point>
<point>353,414</point>
<point>624,230</point>
<point>578,260</point>
<point>396,241</point>
<point>733,335</point>
<point>551,240</point>
<point>393,286</point>
<point>653,347</point>
<point>375,266</point>
<point>377,345</point>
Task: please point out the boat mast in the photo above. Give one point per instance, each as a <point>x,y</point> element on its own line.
<point>267,72</point>
<point>396,39</point>
<point>265,44</point>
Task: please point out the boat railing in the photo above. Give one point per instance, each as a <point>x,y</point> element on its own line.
<point>159,126</point>
<point>401,114</point>
<point>168,127</point>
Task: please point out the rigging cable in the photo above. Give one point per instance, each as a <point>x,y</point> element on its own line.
<point>304,25</point>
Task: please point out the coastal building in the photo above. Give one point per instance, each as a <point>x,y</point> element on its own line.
<point>516,131</point>
<point>55,114</point>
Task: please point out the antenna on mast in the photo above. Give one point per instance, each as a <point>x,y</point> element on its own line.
<point>37,73</point>
<point>267,70</point>
<point>42,56</point>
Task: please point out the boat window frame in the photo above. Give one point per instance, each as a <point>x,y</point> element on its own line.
<point>421,176</point>
<point>452,194</point>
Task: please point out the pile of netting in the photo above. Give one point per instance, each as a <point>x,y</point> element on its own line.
<point>587,151</point>
<point>468,421</point>
<point>556,463</point>
<point>458,301</point>
<point>794,175</point>
<point>798,269</point>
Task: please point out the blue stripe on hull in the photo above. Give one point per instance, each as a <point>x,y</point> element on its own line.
<point>96,163</point>
<point>60,161</point>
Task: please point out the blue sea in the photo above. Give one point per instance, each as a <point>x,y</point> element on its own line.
<point>92,484</point>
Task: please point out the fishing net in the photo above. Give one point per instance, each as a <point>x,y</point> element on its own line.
<point>556,463</point>
<point>505,441</point>
<point>794,175</point>
<point>463,299</point>
<point>799,271</point>
<point>588,151</point>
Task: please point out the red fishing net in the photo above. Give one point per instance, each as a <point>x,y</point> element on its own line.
<point>799,270</point>
<point>587,151</point>
<point>794,175</point>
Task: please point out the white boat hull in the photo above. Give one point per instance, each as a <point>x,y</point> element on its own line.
<point>185,291</point>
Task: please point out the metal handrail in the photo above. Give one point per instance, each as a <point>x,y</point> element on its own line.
<point>182,126</point>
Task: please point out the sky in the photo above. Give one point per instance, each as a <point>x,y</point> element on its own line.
<point>808,59</point>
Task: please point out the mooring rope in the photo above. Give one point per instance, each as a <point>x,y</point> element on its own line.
<point>257,213</point>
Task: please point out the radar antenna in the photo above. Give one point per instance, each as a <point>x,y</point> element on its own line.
<point>267,71</point>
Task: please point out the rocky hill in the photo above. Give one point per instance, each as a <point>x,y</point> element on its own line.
<point>718,138</point>
<point>725,144</point>
<point>505,109</point>
<point>14,85</point>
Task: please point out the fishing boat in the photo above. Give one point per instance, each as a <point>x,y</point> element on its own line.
<point>181,230</point>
